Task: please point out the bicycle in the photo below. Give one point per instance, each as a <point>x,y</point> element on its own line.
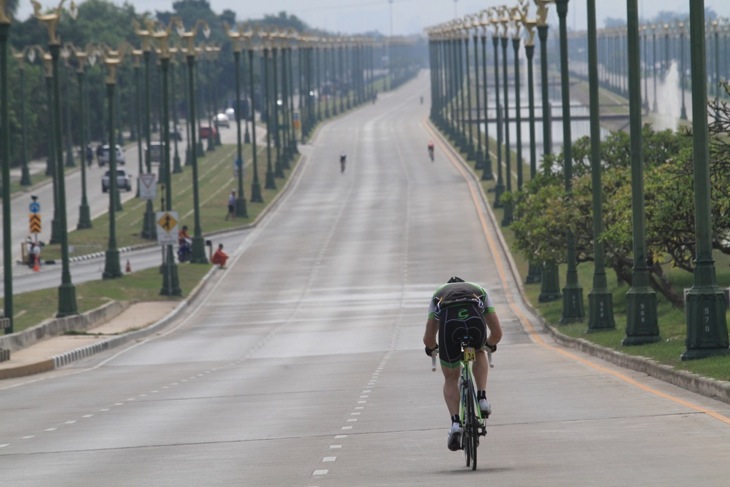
<point>470,415</point>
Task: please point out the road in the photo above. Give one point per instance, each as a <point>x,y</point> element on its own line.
<point>302,365</point>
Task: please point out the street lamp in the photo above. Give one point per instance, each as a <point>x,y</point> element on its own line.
<point>493,15</point>
<point>112,266</point>
<point>188,37</point>
<point>680,27</point>
<point>504,19</point>
<point>82,57</point>
<point>149,226</point>
<point>25,179</point>
<point>518,15</point>
<point>176,166</point>
<point>235,37</point>
<point>474,22</point>
<point>550,284</point>
<point>5,162</point>
<point>487,174</point>
<point>66,291</point>
<point>572,292</point>
<point>641,317</point>
<point>600,300</point>
<point>270,183</point>
<point>252,40</point>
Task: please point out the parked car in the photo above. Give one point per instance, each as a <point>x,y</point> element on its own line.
<point>205,131</point>
<point>231,114</point>
<point>104,155</point>
<point>221,120</point>
<point>124,181</point>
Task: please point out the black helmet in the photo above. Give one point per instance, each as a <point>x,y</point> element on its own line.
<point>455,279</point>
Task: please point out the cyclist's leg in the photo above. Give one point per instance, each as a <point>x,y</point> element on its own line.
<point>451,388</point>
<point>481,370</point>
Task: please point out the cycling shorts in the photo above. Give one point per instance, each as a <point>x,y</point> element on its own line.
<point>457,321</point>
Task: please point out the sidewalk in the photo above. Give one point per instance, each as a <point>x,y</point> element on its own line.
<point>54,352</point>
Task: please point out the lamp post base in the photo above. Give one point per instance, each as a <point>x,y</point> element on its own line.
<point>112,266</point>
<point>600,311</point>
<point>66,300</point>
<point>170,279</point>
<point>197,255</point>
<point>534,274</point>
<point>550,289</point>
<point>573,310</point>
<point>84,217</point>
<point>256,196</point>
<point>641,317</point>
<point>176,167</point>
<point>707,333</point>
<point>25,179</point>
<point>241,211</point>
<point>270,183</point>
<point>149,226</point>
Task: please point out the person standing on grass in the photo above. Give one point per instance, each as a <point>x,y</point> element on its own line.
<point>231,205</point>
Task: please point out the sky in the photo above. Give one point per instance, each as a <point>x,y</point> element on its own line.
<point>404,17</point>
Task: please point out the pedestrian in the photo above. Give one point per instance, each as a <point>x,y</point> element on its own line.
<point>220,257</point>
<point>231,205</point>
<point>89,155</point>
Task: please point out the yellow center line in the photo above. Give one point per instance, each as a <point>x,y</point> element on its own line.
<point>527,324</point>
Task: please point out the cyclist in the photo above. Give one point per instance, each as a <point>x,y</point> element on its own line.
<point>343,160</point>
<point>430,149</point>
<point>458,309</point>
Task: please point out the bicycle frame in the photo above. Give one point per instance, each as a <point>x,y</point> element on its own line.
<point>470,414</point>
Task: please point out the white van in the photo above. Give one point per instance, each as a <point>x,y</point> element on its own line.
<point>104,155</point>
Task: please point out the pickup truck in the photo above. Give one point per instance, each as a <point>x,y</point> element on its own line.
<point>124,181</point>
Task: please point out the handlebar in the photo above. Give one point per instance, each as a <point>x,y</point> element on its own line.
<point>435,353</point>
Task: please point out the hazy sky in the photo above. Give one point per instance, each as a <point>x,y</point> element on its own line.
<point>407,16</point>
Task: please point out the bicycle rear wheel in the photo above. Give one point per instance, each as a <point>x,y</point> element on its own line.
<point>472,431</point>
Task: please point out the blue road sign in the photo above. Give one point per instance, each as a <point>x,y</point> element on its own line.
<point>35,207</point>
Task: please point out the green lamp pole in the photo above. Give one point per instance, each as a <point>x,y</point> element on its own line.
<point>550,284</point>
<point>235,37</point>
<point>176,162</point>
<point>706,308</point>
<point>572,292</point>
<point>137,67</point>
<point>654,66</point>
<point>274,117</point>
<point>683,113</point>
<point>66,291</point>
<point>534,274</point>
<point>270,182</point>
<point>493,14</point>
<point>256,197</point>
<point>51,162</point>
<point>467,116</point>
<point>641,317</point>
<point>198,248</point>
<point>600,300</point>
<point>112,266</point>
<point>504,19</point>
<point>25,178</point>
<point>487,174</point>
<point>479,156</point>
<point>518,14</point>
<point>5,162</point>
<point>149,225</point>
<point>82,57</point>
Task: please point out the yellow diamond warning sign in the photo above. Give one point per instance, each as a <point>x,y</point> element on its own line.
<point>166,227</point>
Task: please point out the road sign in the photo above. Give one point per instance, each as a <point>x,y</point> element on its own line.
<point>147,186</point>
<point>166,227</point>
<point>34,207</point>
<point>34,221</point>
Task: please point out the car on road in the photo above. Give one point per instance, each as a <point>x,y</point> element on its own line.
<point>221,120</point>
<point>231,114</point>
<point>104,155</point>
<point>124,181</point>
<point>206,131</point>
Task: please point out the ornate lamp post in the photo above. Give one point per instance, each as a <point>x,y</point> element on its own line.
<point>5,162</point>
<point>680,27</point>
<point>706,307</point>
<point>641,317</point>
<point>252,39</point>
<point>504,19</point>
<point>465,27</point>
<point>66,291</point>
<point>176,166</point>
<point>534,274</point>
<point>112,266</point>
<point>600,300</point>
<point>235,37</point>
<point>137,55</point>
<point>149,226</point>
<point>518,14</point>
<point>25,179</point>
<point>495,21</point>
<point>66,56</point>
<point>270,182</point>
<point>198,250</point>
<point>654,64</point>
<point>473,21</point>
<point>487,174</point>
<point>82,57</point>
<point>572,292</point>
<point>550,284</point>
<point>273,118</point>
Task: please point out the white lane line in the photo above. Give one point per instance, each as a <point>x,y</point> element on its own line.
<point>27,437</point>
<point>3,445</point>
<point>346,427</point>
<point>338,437</point>
<point>320,472</point>
<point>352,420</point>
<point>335,447</point>
<point>329,459</point>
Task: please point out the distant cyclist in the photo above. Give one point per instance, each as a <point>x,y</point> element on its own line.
<point>430,150</point>
<point>343,160</point>
<point>458,309</point>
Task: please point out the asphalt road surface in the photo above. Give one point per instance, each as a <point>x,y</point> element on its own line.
<point>303,364</point>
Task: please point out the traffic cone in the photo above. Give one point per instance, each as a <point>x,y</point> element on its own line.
<point>36,265</point>
<point>128,268</point>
